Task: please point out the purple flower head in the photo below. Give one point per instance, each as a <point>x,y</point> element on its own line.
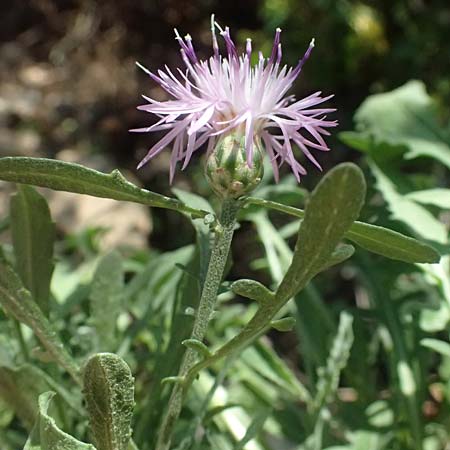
<point>227,94</point>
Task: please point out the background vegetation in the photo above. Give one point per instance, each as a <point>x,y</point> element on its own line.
<point>367,365</point>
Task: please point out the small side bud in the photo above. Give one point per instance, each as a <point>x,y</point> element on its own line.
<point>227,169</point>
<point>285,324</point>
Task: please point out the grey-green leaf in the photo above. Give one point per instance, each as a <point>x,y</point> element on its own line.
<point>253,290</point>
<point>197,346</point>
<point>20,389</point>
<point>342,253</point>
<point>109,394</point>
<point>33,234</point>
<point>332,208</point>
<point>391,244</point>
<point>328,381</point>
<point>17,301</point>
<point>284,324</point>
<point>373,238</point>
<point>106,298</point>
<point>47,436</point>
<point>70,177</point>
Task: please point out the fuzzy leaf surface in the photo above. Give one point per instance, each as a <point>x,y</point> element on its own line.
<point>47,436</point>
<point>109,394</point>
<point>332,208</point>
<point>70,177</point>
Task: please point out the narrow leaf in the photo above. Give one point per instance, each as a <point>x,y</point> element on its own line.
<point>329,375</point>
<point>70,177</point>
<point>106,297</point>
<point>391,244</point>
<point>285,324</point>
<point>436,345</point>
<point>17,302</point>
<point>109,393</point>
<point>47,436</point>
<point>342,253</point>
<point>33,234</point>
<point>198,346</point>
<point>332,208</point>
<point>253,290</point>
<point>373,238</point>
<point>254,429</point>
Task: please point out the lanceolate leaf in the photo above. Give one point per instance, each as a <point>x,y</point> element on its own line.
<point>419,219</point>
<point>391,244</point>
<point>373,238</point>
<point>109,393</point>
<point>33,234</point>
<point>328,381</point>
<point>332,208</point>
<point>70,177</point>
<point>17,302</point>
<point>47,436</point>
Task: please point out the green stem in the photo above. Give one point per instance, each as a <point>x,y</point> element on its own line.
<point>216,267</point>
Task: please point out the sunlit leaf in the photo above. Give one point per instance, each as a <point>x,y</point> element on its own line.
<point>47,436</point>
<point>70,177</point>
<point>405,116</point>
<point>332,208</point>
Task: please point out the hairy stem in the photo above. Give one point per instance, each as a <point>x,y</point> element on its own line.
<point>216,267</point>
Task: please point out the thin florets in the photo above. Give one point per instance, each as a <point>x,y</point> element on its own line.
<point>225,94</point>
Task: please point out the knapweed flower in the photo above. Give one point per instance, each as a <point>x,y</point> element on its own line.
<point>227,94</point>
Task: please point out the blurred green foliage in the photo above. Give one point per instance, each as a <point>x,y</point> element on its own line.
<point>367,365</point>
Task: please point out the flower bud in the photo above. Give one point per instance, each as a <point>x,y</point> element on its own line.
<point>227,169</point>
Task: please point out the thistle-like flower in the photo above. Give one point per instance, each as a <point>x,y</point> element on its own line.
<point>227,95</point>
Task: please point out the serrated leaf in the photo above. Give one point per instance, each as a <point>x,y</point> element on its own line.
<point>70,177</point>
<point>106,296</point>
<point>17,301</point>
<point>33,234</point>
<point>332,208</point>
<point>109,394</point>
<point>253,290</point>
<point>47,436</point>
